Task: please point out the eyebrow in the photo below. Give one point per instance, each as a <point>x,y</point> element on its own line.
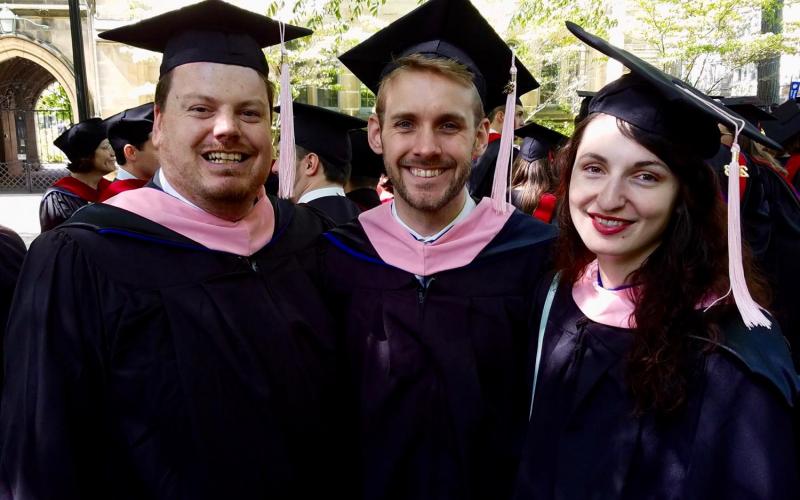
<point>638,164</point>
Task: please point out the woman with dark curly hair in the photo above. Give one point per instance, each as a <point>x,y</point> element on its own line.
<point>90,157</point>
<point>646,382</point>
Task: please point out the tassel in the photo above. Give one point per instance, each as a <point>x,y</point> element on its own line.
<point>750,311</point>
<point>502,169</point>
<point>287,155</point>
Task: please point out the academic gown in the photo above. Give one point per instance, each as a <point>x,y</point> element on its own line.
<point>12,252</point>
<point>187,373</point>
<point>771,226</point>
<point>734,440</point>
<point>119,186</point>
<point>339,209</point>
<point>438,370</point>
<point>482,174</point>
<point>365,198</point>
<point>64,198</point>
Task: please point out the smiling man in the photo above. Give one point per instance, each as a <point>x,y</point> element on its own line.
<point>201,369</point>
<point>435,289</point>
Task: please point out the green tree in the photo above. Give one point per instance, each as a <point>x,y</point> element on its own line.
<point>54,97</point>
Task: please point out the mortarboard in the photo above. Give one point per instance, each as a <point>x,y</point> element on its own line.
<point>132,126</point>
<point>787,123</point>
<point>450,29</point>
<point>81,139</point>
<point>586,97</point>
<point>751,108</point>
<point>538,141</point>
<point>210,31</point>
<point>365,162</point>
<point>324,132</point>
<point>661,103</point>
<point>665,105</point>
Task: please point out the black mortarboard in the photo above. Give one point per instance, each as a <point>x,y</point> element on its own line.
<point>324,132</point>
<point>209,31</point>
<point>787,123</point>
<point>538,141</point>
<point>132,126</point>
<point>81,139</point>
<point>586,97</point>
<point>751,108</point>
<point>662,104</point>
<point>451,29</point>
<point>365,162</point>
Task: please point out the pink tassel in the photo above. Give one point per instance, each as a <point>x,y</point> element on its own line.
<point>287,155</point>
<point>749,310</point>
<point>502,169</point>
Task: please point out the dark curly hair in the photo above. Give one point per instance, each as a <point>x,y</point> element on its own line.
<point>689,265</point>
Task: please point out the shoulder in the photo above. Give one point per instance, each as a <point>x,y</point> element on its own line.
<point>522,232</point>
<point>759,356</point>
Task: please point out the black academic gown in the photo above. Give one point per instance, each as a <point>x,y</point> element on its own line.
<point>734,440</point>
<point>438,370</point>
<point>12,252</point>
<point>338,209</point>
<point>771,227</point>
<point>186,373</point>
<point>365,198</point>
<point>482,175</point>
<point>57,206</point>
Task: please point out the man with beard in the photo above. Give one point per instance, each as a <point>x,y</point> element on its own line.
<point>434,290</point>
<point>202,368</point>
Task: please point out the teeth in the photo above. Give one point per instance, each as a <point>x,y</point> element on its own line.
<point>220,157</point>
<point>608,223</point>
<point>423,172</point>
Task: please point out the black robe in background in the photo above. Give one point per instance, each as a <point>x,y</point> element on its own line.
<point>185,373</point>
<point>482,175</point>
<point>365,198</point>
<point>339,209</point>
<point>734,440</point>
<point>771,226</point>
<point>12,253</point>
<point>438,371</point>
<point>57,206</point>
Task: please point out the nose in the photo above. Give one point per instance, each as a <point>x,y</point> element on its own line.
<point>426,143</point>
<point>226,126</point>
<point>612,194</point>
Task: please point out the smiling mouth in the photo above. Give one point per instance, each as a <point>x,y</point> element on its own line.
<point>220,157</point>
<point>610,222</point>
<point>426,172</point>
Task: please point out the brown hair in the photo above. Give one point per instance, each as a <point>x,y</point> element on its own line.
<point>447,68</point>
<point>532,179</point>
<point>690,265</point>
<point>165,84</point>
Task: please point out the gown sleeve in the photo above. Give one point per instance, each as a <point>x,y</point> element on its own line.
<point>56,208</point>
<point>53,366</point>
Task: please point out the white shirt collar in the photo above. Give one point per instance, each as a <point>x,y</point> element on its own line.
<point>493,131</point>
<point>167,188</point>
<point>123,174</point>
<point>469,206</point>
<point>321,193</point>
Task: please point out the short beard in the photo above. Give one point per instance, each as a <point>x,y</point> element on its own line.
<point>424,204</point>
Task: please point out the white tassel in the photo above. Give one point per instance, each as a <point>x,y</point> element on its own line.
<point>287,158</point>
<point>502,169</point>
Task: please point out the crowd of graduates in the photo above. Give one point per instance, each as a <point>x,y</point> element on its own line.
<point>409,306</point>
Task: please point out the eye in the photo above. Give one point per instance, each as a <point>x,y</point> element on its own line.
<point>199,109</point>
<point>403,124</point>
<point>592,169</point>
<point>251,115</point>
<point>647,177</point>
<point>450,127</point>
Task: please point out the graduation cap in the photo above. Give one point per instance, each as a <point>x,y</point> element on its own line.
<point>586,97</point>
<point>210,31</point>
<point>324,132</point>
<point>786,124</point>
<point>365,162</point>
<point>538,141</point>
<point>662,104</point>
<point>449,29</point>
<point>81,140</point>
<point>132,126</point>
<point>751,108</point>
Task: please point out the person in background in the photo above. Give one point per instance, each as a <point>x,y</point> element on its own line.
<point>322,145</point>
<point>367,168</point>
<point>90,157</point>
<point>647,381</point>
<point>130,134</point>
<point>534,179</point>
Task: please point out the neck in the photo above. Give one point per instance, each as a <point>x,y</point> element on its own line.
<point>89,178</point>
<point>615,272</point>
<point>321,184</point>
<point>135,171</point>
<point>428,223</point>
